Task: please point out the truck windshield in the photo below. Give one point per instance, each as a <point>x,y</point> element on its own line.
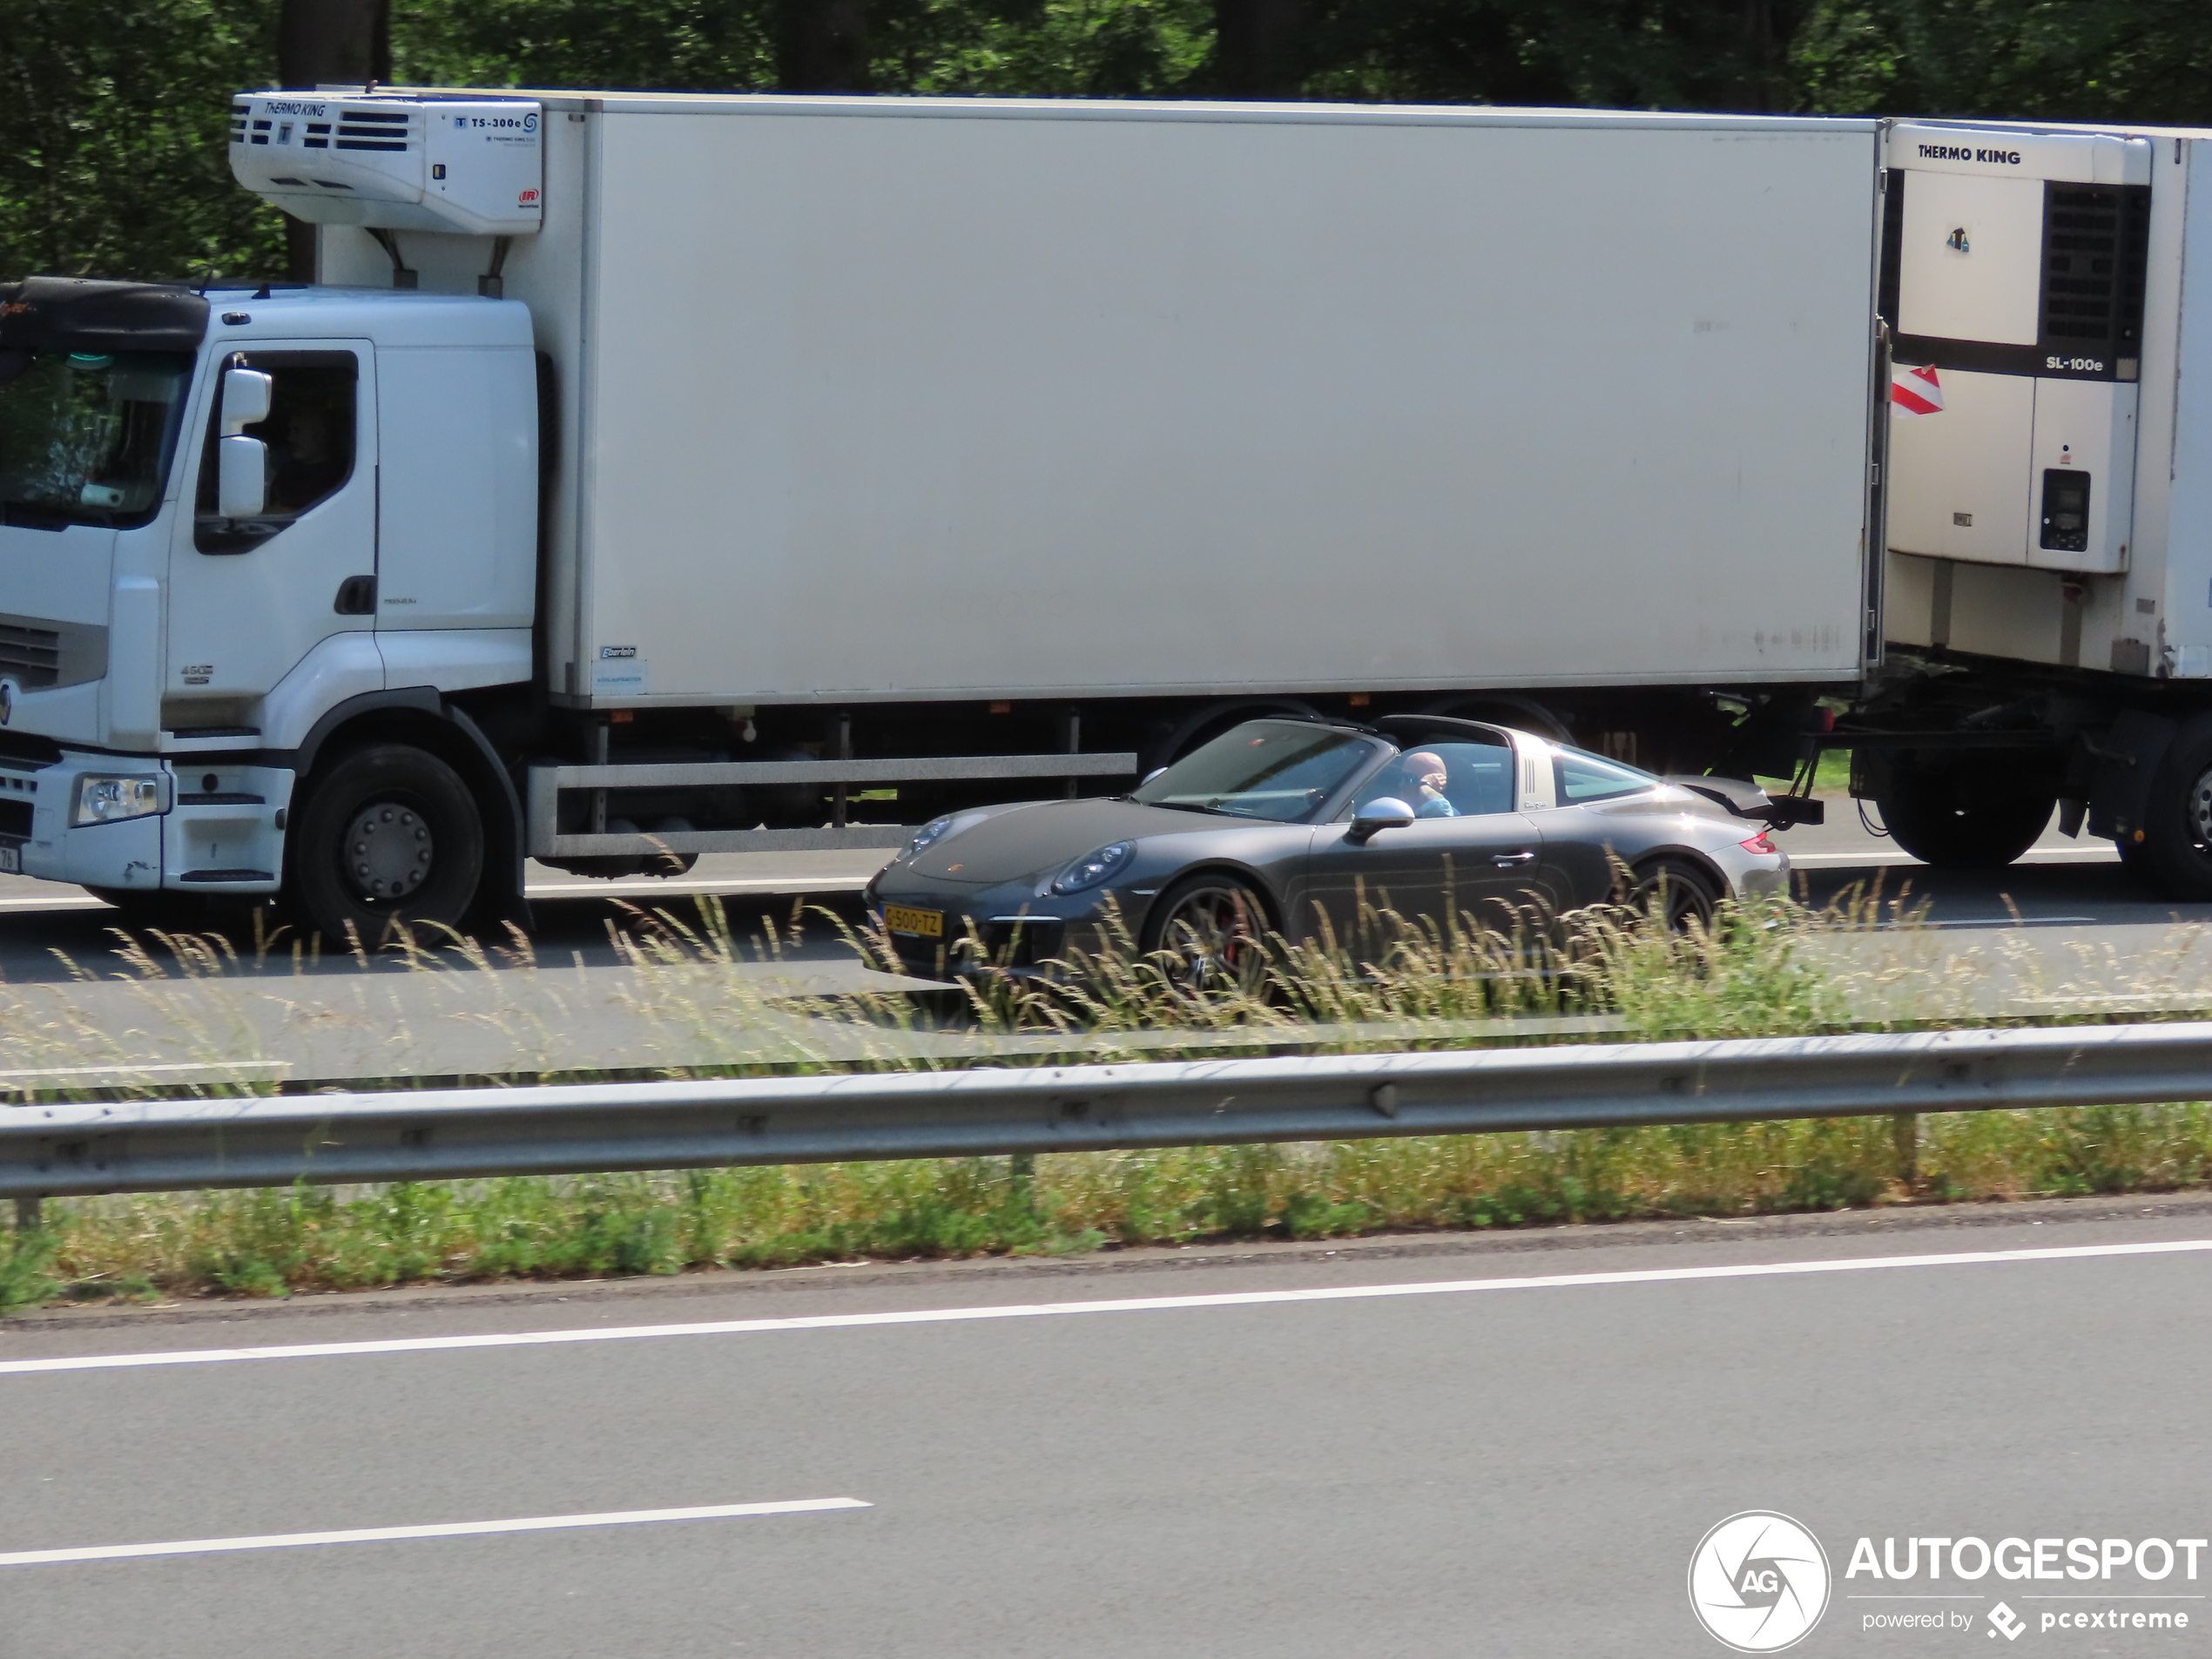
<point>85,436</point>
<point>1277,769</point>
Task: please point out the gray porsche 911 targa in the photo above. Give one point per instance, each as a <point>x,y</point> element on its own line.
<point>1290,826</point>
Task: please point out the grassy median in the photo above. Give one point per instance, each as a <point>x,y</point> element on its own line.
<point>1769,969</point>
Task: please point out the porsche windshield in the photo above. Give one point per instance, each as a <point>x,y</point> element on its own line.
<point>85,436</point>
<point>1281,770</point>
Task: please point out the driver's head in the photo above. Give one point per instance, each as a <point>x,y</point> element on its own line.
<point>1424,766</point>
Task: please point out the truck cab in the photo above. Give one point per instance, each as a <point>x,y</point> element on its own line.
<point>231,520</point>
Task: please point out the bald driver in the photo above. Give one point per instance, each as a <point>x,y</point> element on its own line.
<point>1425,776</point>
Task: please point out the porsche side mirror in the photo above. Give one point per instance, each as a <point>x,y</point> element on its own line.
<point>1376,816</point>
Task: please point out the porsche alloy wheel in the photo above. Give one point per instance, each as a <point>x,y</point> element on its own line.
<point>1212,931</point>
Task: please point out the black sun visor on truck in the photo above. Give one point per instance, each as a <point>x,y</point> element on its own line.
<point>80,313</point>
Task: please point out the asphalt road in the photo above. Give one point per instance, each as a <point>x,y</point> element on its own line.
<point>1519,1466</point>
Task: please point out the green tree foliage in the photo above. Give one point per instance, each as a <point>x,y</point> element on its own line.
<point>112,123</point>
<point>2147,61</point>
<point>112,151</point>
<point>1008,48</point>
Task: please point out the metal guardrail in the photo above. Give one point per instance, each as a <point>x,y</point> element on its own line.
<point>60,1149</point>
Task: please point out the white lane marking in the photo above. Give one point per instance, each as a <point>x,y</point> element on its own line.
<point>1124,1304</point>
<point>772,884</point>
<point>447,1529</point>
<point>2006,921</point>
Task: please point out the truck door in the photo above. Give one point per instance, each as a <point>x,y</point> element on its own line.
<point>250,597</point>
<point>2013,280</point>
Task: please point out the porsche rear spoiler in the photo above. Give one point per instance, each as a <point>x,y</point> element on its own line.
<point>1748,800</point>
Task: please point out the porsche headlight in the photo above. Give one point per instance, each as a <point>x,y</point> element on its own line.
<point>109,798</point>
<point>1093,868</point>
<point>935,830</point>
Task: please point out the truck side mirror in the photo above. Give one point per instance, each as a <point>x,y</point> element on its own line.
<point>241,473</point>
<point>247,395</point>
<point>1388,812</point>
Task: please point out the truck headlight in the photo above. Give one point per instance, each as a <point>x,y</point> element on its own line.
<point>109,798</point>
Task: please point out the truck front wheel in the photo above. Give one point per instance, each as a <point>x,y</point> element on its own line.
<point>388,838</point>
<point>1965,812</point>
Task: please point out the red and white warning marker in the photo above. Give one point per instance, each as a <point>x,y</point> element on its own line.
<point>1915,391</point>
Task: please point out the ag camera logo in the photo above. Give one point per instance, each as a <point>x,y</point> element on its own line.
<point>1758,1581</point>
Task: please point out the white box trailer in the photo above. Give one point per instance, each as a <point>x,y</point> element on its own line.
<point>874,400</point>
<point>943,443</point>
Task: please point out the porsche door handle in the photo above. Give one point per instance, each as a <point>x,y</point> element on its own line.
<point>1506,860</point>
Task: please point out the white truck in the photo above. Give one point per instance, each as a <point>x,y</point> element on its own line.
<point>648,475</point>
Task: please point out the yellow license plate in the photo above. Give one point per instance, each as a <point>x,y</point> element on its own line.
<point>905,919</point>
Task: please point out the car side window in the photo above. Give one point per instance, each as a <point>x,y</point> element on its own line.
<point>1584,777</point>
<point>1476,780</point>
<point>310,434</point>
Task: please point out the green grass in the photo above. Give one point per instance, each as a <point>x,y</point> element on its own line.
<point>264,1243</point>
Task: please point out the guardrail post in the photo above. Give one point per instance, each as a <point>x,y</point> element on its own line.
<point>1022,1167</point>
<point>30,1216</point>
<point>1904,1139</point>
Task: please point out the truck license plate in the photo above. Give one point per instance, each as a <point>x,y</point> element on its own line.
<point>11,859</point>
<point>904,919</point>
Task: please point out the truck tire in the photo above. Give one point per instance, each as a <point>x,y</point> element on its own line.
<point>1960,812</point>
<point>1209,720</point>
<point>2174,857</point>
<point>389,837</point>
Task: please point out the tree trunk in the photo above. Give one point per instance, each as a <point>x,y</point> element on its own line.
<point>822,45</point>
<point>1760,41</point>
<point>328,42</point>
<point>1256,47</point>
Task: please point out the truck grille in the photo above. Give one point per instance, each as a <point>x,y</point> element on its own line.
<point>2093,243</point>
<point>31,655</point>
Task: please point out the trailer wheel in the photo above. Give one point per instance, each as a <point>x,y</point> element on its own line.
<point>1209,720</point>
<point>2174,857</point>
<point>1963,812</point>
<point>389,837</point>
<point>1523,713</point>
